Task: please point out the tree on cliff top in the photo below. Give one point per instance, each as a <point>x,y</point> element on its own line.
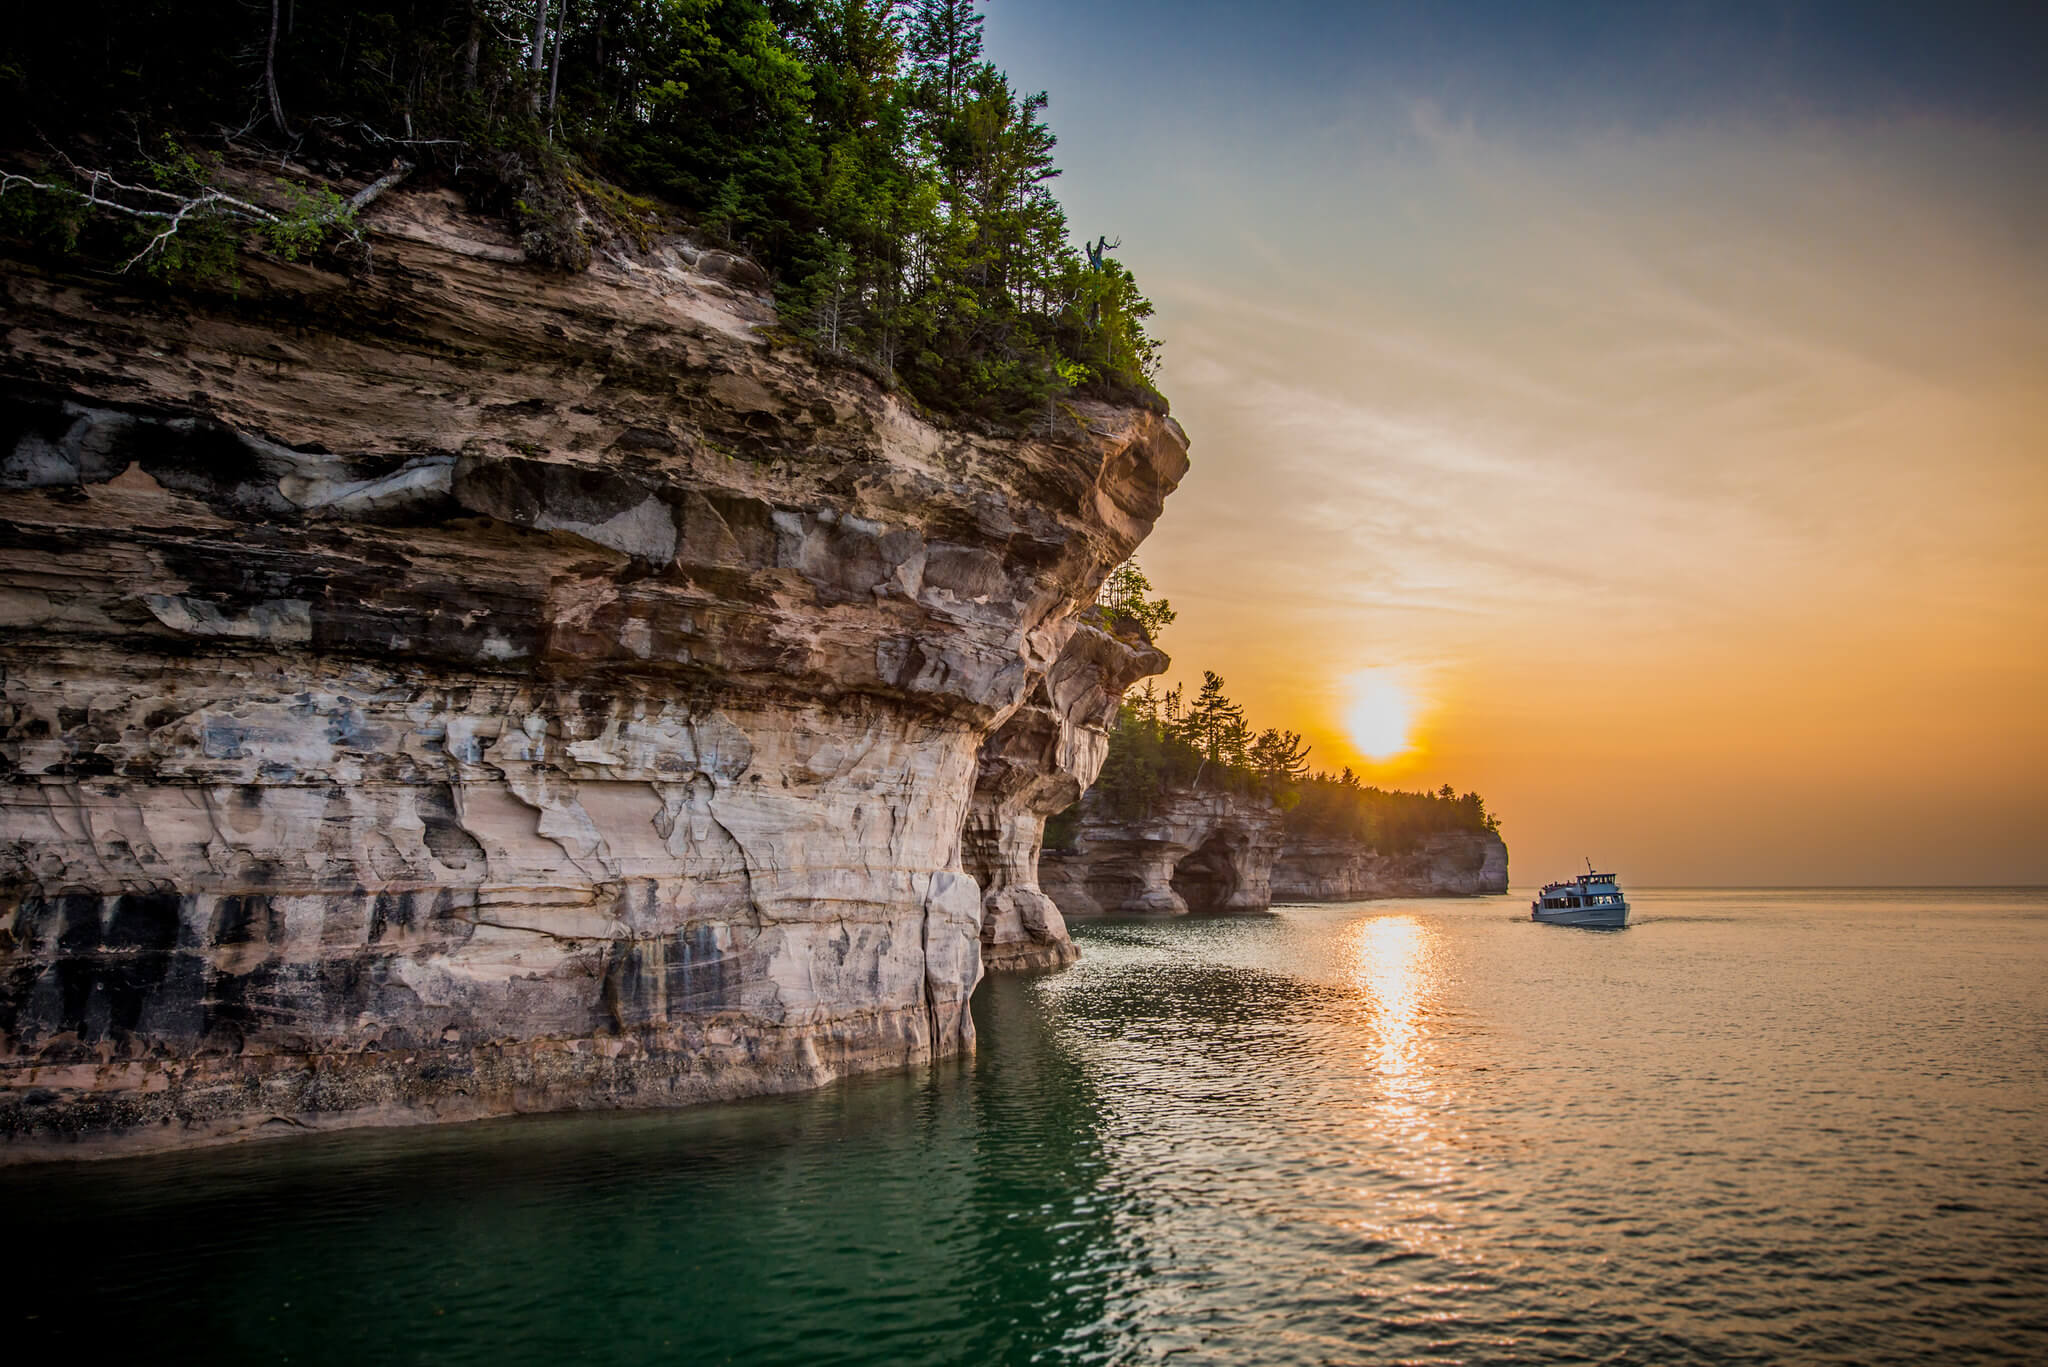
<point>1215,725</point>
<point>895,183</point>
<point>1126,593</point>
<point>1279,757</point>
<point>1159,744</point>
<point>944,41</point>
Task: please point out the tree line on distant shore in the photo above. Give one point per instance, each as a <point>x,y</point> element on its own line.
<point>1165,742</point>
<point>895,183</point>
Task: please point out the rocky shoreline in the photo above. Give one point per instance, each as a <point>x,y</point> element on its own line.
<point>1223,852</point>
<point>1451,864</point>
<point>465,690</point>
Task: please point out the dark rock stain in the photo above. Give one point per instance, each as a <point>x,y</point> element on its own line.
<point>450,842</point>
<point>701,976</point>
<point>392,912</point>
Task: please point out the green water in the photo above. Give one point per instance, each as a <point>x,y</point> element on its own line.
<point>1756,1127</point>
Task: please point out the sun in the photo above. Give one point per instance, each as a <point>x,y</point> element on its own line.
<point>1381,715</point>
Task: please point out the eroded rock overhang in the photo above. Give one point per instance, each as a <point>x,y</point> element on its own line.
<point>463,689</point>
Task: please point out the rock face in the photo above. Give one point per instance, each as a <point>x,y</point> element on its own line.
<point>1039,763</point>
<point>1224,852</point>
<point>467,690</point>
<point>1195,852</point>
<point>1453,864</point>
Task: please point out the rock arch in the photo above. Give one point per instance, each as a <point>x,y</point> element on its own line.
<point>1194,851</point>
<point>1208,877</point>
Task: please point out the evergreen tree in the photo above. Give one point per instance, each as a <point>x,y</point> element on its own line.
<point>1279,756</point>
<point>894,183</point>
<point>1215,725</point>
<point>944,41</point>
<point>1126,593</point>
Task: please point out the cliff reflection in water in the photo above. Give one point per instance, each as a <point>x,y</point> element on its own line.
<point>1756,1127</point>
<point>952,1216</point>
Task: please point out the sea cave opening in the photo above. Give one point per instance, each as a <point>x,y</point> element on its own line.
<point>1207,876</point>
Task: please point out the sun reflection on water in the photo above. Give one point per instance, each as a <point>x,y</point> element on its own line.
<point>1387,966</point>
<point>1419,1147</point>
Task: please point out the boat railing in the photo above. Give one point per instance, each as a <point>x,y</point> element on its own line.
<point>1584,881</point>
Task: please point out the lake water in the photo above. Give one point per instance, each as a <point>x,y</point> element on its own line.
<point>1779,1126</point>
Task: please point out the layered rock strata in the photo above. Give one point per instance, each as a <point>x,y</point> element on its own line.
<point>461,690</point>
<point>1040,763</point>
<point>1452,864</point>
<point>1195,851</point>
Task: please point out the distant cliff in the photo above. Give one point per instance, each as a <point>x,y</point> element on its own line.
<point>1334,869</point>
<point>1191,851</point>
<point>1210,851</point>
<point>459,689</point>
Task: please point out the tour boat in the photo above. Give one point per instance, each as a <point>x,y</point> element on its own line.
<point>1591,899</point>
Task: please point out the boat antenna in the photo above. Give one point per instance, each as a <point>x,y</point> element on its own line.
<point>1589,863</point>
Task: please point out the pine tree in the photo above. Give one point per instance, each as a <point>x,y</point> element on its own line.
<point>1126,592</point>
<point>1215,725</point>
<point>787,128</point>
<point>1279,756</point>
<point>944,42</point>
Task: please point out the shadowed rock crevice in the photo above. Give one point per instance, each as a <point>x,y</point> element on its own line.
<point>1207,879</point>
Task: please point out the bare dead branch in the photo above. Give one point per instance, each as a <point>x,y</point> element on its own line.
<point>362,198</point>
<point>385,138</point>
<point>168,212</point>
<point>555,70</point>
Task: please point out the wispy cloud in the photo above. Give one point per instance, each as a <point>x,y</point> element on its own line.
<point>1751,401</point>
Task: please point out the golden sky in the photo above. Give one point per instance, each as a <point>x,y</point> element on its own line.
<point>1688,461</point>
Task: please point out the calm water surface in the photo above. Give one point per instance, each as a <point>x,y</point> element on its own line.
<point>1755,1127</point>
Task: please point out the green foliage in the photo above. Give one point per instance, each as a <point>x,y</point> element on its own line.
<point>1279,757</point>
<point>1162,743</point>
<point>170,215</point>
<point>1387,820</point>
<point>207,245</point>
<point>51,220</point>
<point>1215,726</point>
<point>309,220</point>
<point>894,182</point>
<point>1126,593</point>
<point>1147,756</point>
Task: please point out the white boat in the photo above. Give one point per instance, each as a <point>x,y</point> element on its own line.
<point>1591,899</point>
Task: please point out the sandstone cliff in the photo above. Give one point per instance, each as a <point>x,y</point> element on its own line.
<point>1206,851</point>
<point>461,689</point>
<point>1039,763</point>
<point>1452,864</point>
<point>1199,851</point>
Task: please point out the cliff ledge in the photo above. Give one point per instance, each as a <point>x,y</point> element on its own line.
<point>461,690</point>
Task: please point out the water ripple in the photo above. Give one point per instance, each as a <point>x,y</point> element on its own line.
<point>1756,1128</point>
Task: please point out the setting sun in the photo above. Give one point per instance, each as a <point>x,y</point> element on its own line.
<point>1381,715</point>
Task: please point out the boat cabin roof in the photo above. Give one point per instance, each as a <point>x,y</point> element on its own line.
<point>1583,880</point>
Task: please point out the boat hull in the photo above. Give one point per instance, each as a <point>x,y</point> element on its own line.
<point>1612,917</point>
